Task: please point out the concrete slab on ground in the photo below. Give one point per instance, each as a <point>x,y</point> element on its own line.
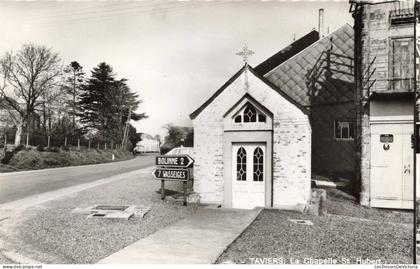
<point>198,239</point>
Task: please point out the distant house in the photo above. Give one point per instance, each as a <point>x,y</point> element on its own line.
<point>147,144</point>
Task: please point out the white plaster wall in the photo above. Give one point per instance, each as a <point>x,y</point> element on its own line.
<point>291,144</point>
<point>393,110</point>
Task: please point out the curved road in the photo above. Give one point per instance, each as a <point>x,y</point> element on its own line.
<point>18,185</point>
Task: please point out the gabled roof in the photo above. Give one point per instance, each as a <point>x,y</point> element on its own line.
<point>232,79</point>
<point>288,52</point>
<point>251,100</point>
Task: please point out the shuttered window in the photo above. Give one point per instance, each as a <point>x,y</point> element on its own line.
<point>401,64</point>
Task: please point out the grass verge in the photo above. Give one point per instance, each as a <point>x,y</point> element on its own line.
<point>32,159</point>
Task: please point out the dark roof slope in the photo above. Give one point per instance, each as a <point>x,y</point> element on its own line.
<point>322,73</point>
<point>286,53</point>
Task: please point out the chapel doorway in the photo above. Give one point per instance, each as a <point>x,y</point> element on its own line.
<point>248,175</point>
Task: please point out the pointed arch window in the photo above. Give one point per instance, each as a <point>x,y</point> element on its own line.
<point>258,172</point>
<point>241,164</point>
<point>250,114</point>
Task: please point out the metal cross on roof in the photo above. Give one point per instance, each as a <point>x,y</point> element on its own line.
<point>245,53</point>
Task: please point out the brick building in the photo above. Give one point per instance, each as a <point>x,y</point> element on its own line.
<point>308,83</point>
<point>384,61</point>
<point>252,145</point>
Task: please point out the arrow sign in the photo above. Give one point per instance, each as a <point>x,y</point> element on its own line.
<point>182,161</point>
<point>171,174</point>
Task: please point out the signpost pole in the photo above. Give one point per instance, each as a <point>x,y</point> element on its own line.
<point>162,189</point>
<point>184,183</point>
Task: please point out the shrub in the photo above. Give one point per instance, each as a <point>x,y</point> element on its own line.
<point>52,162</point>
<point>53,149</point>
<point>9,154</point>
<point>19,148</point>
<point>27,159</point>
<point>54,157</point>
<point>40,148</point>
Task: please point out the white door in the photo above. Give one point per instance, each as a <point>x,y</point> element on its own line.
<point>248,175</point>
<point>391,165</point>
<point>408,163</point>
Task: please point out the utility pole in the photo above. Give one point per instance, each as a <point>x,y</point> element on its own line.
<point>415,125</point>
<point>126,130</point>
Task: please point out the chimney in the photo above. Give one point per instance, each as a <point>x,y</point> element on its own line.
<point>321,23</point>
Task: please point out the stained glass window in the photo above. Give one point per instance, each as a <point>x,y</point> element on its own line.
<point>250,114</point>
<point>241,164</point>
<point>258,164</point>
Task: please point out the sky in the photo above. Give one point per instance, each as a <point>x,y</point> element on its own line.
<point>175,54</point>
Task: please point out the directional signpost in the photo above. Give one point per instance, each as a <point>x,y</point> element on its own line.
<point>171,174</point>
<point>173,167</point>
<point>177,161</point>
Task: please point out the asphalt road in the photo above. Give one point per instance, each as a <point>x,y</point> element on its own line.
<point>18,185</point>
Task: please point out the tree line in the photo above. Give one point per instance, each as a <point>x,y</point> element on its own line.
<point>42,95</point>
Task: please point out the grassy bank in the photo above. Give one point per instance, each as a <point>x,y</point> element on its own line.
<point>30,159</point>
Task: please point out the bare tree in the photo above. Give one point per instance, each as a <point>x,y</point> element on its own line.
<point>51,102</point>
<point>27,76</point>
